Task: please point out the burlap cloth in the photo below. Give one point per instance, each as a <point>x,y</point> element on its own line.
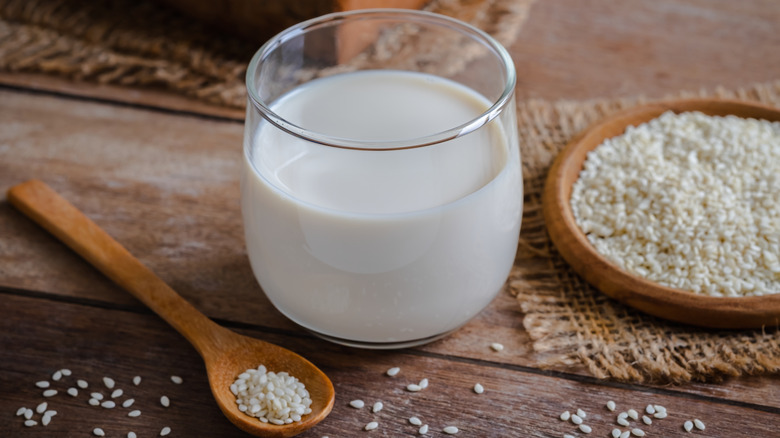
<point>141,43</point>
<point>144,43</point>
<point>570,322</point>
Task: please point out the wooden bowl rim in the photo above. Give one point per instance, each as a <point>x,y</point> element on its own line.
<point>650,297</point>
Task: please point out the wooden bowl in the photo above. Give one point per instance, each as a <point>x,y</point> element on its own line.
<point>642,294</point>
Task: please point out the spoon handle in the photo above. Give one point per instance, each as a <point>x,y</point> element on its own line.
<point>43,205</point>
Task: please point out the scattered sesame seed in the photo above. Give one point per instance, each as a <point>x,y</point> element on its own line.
<point>73,392</point>
<point>165,431</point>
<point>576,419</point>
<point>98,432</point>
<point>21,411</point>
<point>413,388</point>
<point>450,430</point>
<point>41,407</point>
<point>496,346</point>
<point>131,435</point>
<point>377,407</point>
<point>478,388</point>
<point>82,384</point>
<point>585,428</point>
<point>28,413</point>
<point>581,413</point>
<point>117,393</point>
<point>622,422</point>
<point>45,420</point>
<point>661,414</point>
<point>566,435</point>
<point>97,396</point>
<point>135,413</point>
<point>94,402</point>
<point>127,403</point>
<point>633,414</point>
<point>42,384</point>
<point>56,376</point>
<point>611,406</point>
<point>177,380</point>
<point>165,401</point>
<point>371,426</point>
<point>623,415</point>
<point>357,404</point>
<point>615,433</point>
<point>650,409</point>
<point>392,372</point>
<point>646,419</point>
<point>638,432</point>
<point>109,382</point>
<point>65,372</point>
<point>30,423</point>
<point>625,434</point>
<point>50,393</point>
<point>698,423</point>
<point>688,426</point>
<point>137,380</point>
<point>108,404</point>
<point>659,408</point>
<point>423,429</point>
<point>423,383</point>
<point>565,415</point>
<point>415,421</point>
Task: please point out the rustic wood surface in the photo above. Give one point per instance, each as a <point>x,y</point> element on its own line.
<point>159,174</point>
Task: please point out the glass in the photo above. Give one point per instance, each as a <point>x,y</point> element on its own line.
<point>382,188</point>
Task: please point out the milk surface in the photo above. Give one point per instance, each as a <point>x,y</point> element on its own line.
<point>381,246</point>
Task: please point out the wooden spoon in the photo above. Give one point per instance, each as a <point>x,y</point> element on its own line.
<point>640,293</point>
<point>226,354</point>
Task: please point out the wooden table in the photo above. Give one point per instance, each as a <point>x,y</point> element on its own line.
<point>159,173</point>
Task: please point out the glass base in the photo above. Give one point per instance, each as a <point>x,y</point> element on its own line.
<point>380,345</point>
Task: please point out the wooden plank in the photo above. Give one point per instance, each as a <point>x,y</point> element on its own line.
<point>42,336</point>
<point>166,187</point>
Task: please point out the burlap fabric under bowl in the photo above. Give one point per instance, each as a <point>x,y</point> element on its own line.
<point>145,43</point>
<point>570,322</point>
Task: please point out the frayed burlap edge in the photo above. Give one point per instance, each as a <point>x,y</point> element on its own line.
<point>140,44</point>
<point>573,324</point>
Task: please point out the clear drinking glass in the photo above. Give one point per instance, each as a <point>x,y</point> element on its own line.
<point>382,188</point>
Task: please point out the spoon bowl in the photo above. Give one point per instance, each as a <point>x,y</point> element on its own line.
<point>225,353</point>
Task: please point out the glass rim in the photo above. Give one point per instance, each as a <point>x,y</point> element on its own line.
<point>278,121</point>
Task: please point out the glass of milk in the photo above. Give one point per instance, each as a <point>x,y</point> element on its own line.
<point>381,190</point>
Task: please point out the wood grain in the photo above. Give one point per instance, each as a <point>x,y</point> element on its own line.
<point>41,336</point>
<point>655,299</point>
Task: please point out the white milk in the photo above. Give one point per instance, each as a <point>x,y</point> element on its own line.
<point>381,246</point>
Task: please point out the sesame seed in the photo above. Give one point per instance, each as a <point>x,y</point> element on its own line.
<point>134,413</point>
<point>177,380</point>
<point>413,388</point>
<point>131,434</point>
<point>661,414</point>
<point>56,376</point>
<point>117,393</point>
<point>611,406</point>
<point>21,411</point>
<point>65,372</point>
<point>496,346</point>
<point>42,384</point>
<point>646,419</point>
<point>615,433</point>
<point>97,396</point>
<point>625,434</point>
<point>165,431</point>
<point>633,414</point>
<point>94,402</point>
<point>415,421</point>
<point>698,423</point>
<point>127,403</point>
<point>109,382</point>
<point>392,372</point>
<point>688,426</point>
<point>650,409</point>
<point>659,408</point>
<point>82,384</point>
<point>565,415</point>
<point>357,404</point>
<point>566,435</point>
<point>623,415</point>
<point>423,383</point>
<point>137,380</point>
<point>28,413</point>
<point>423,429</point>
<point>165,401</point>
<point>30,423</point>
<point>623,422</point>
<point>73,392</point>
<point>98,432</point>
<point>108,404</point>
<point>450,430</point>
<point>50,393</point>
<point>41,407</point>
<point>371,426</point>
<point>478,388</point>
<point>377,407</point>
<point>45,420</point>
<point>581,413</point>
<point>638,432</point>
<point>585,428</point>
<point>576,419</point>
